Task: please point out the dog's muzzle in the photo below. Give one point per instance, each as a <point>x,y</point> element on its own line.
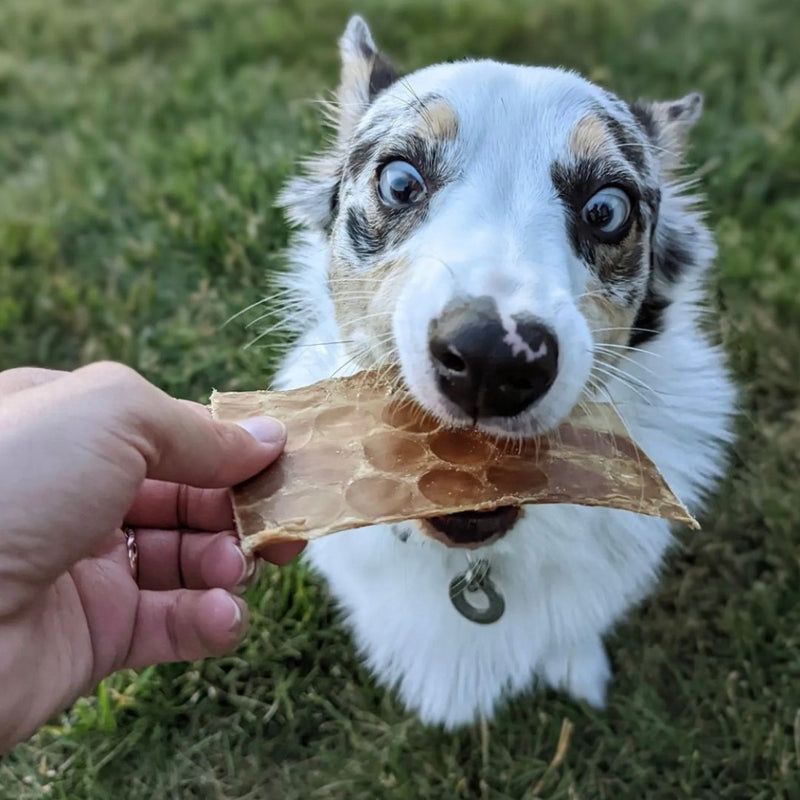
<point>487,367</point>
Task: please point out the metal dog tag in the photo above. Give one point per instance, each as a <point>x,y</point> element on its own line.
<point>475,596</point>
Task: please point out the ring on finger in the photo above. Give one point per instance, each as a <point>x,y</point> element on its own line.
<point>133,551</point>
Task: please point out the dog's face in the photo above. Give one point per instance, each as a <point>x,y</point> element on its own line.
<point>491,229</point>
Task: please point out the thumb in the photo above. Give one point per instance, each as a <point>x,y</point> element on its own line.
<point>179,444</point>
<point>199,451</point>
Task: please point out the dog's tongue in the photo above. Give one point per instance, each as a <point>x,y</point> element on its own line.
<point>360,451</point>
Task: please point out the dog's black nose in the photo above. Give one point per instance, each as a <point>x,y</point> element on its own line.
<point>486,368</point>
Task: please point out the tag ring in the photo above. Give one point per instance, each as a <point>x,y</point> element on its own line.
<point>476,579</point>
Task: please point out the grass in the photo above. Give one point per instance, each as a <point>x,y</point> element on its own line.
<point>141,147</point>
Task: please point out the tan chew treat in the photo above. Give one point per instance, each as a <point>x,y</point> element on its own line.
<point>359,453</point>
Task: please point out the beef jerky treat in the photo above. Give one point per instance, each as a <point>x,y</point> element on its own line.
<point>359,451</point>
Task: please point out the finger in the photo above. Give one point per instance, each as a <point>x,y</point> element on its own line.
<point>21,378</point>
<point>175,505</point>
<point>181,559</point>
<point>177,443</point>
<point>86,442</point>
<point>197,408</point>
<point>185,625</point>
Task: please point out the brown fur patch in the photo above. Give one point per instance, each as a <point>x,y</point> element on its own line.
<point>610,323</point>
<point>364,305</point>
<point>590,138</point>
<point>438,121</point>
<point>609,320</point>
<point>621,262</point>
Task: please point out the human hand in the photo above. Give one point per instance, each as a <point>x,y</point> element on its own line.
<point>81,455</point>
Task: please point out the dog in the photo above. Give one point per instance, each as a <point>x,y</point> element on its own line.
<point>517,240</point>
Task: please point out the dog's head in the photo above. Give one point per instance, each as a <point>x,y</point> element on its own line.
<point>499,231</point>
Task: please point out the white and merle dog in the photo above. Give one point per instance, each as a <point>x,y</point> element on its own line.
<point>517,240</point>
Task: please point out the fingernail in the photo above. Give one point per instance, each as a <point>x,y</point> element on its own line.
<point>248,572</point>
<point>237,623</point>
<point>248,567</point>
<point>264,429</point>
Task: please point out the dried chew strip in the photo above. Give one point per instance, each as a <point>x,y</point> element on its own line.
<point>360,452</point>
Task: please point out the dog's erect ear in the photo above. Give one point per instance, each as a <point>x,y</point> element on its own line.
<point>668,124</point>
<point>312,199</point>
<point>365,73</point>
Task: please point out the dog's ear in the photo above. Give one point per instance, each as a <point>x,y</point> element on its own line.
<point>312,199</point>
<point>365,73</point>
<point>667,124</point>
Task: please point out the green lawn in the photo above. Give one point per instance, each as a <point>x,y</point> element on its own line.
<point>142,143</point>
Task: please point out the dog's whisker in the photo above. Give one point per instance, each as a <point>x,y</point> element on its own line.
<point>618,370</point>
<point>374,315</point>
<point>323,344</point>
<point>345,278</point>
<point>362,351</point>
<point>626,330</point>
<point>262,317</point>
<point>609,371</point>
<point>266,299</point>
<point>343,366</point>
<point>593,293</point>
<point>352,290</point>
<point>244,311</point>
<point>640,350</point>
<point>284,325</point>
<point>635,389</point>
<point>361,299</point>
<point>610,358</point>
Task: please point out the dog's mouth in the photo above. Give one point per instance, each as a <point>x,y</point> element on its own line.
<point>472,528</point>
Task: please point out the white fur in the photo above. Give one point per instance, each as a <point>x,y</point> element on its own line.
<point>567,573</point>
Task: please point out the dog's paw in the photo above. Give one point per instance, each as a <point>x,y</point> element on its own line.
<point>582,671</point>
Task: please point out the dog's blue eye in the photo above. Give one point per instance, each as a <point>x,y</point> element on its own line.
<point>399,184</point>
<point>608,211</point>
